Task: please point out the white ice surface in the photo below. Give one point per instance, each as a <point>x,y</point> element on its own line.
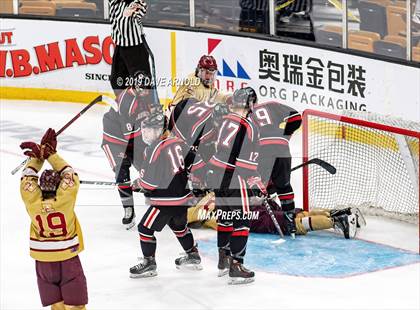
<point>110,250</point>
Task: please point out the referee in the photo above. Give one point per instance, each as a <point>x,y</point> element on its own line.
<point>254,16</point>
<point>131,53</point>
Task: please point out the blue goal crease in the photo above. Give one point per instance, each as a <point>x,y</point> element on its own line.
<point>318,254</point>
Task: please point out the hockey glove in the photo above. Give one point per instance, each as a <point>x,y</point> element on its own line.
<point>34,150</point>
<point>136,187</point>
<point>274,201</point>
<point>48,143</point>
<point>257,186</point>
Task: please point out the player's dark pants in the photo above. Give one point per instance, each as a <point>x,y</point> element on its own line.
<point>232,205</point>
<point>274,166</point>
<point>62,281</point>
<point>120,158</point>
<point>128,60</point>
<point>155,219</point>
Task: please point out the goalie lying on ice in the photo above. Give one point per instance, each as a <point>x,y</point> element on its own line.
<point>348,220</point>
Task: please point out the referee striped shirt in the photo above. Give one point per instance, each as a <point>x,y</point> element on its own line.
<point>126,31</point>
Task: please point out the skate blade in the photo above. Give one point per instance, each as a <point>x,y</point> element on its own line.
<point>279,241</point>
<point>147,274</point>
<point>129,226</point>
<point>237,281</point>
<point>190,267</point>
<point>222,272</point>
<point>361,221</point>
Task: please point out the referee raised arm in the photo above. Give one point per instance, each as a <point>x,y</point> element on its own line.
<point>131,53</point>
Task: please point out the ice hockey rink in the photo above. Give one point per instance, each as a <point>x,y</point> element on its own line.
<point>319,271</point>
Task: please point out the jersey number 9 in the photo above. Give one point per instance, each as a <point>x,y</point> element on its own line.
<point>263,117</point>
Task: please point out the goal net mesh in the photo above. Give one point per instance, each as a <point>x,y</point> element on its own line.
<point>377,169</point>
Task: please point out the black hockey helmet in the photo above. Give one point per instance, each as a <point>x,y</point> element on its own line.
<point>142,80</point>
<point>244,98</point>
<point>220,110</point>
<point>155,120</point>
<point>152,127</point>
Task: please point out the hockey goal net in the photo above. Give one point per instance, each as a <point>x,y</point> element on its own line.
<point>377,161</point>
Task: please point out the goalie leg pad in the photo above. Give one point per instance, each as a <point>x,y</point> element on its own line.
<point>312,223</point>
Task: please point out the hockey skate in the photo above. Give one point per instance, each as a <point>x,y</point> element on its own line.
<point>129,218</point>
<point>238,274</point>
<point>224,263</point>
<point>189,261</point>
<point>290,223</point>
<point>145,269</point>
<point>338,212</point>
<point>347,224</point>
<point>360,219</point>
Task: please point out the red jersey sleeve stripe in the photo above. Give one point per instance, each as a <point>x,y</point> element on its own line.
<point>115,140</point>
<point>198,165</point>
<point>294,118</point>
<point>147,185</point>
<point>245,165</point>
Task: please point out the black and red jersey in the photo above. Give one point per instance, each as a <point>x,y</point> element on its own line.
<point>192,121</point>
<point>276,122</point>
<point>237,147</point>
<point>121,124</point>
<point>165,169</point>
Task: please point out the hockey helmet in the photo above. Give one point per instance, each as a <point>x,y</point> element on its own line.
<point>142,81</point>
<point>244,98</point>
<point>220,110</point>
<point>49,180</point>
<point>207,62</point>
<point>152,127</point>
<point>207,69</point>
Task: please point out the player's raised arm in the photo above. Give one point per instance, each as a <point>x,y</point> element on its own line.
<point>29,188</point>
<point>56,237</point>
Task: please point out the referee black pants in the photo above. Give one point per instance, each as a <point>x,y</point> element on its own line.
<point>128,60</point>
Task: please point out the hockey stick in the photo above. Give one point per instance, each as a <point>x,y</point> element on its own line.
<point>106,183</point>
<point>317,161</point>
<point>99,183</point>
<point>152,59</point>
<point>95,101</point>
<point>276,223</point>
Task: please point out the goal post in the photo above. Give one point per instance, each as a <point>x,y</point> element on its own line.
<point>377,159</point>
